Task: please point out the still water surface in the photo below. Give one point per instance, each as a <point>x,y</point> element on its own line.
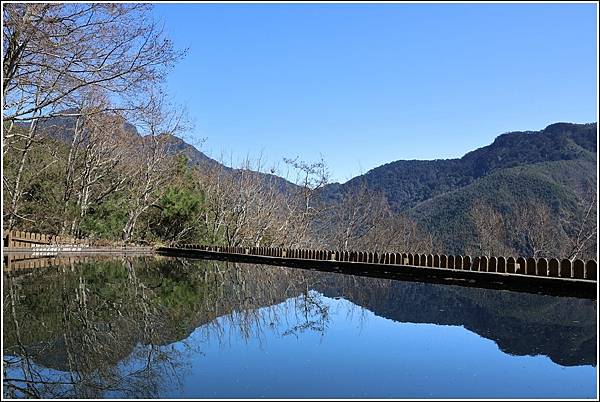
<point>176,328</point>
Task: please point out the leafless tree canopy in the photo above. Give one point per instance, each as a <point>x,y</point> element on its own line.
<point>53,52</point>
<point>102,338</point>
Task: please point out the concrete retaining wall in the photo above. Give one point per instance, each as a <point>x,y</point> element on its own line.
<point>577,269</point>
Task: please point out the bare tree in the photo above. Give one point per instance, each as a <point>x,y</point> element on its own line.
<point>56,50</point>
<point>403,234</point>
<point>57,54</point>
<point>154,159</point>
<point>533,231</point>
<point>361,219</point>
<point>302,207</point>
<point>98,144</point>
<point>582,228</point>
<point>14,185</point>
<point>243,205</point>
<point>489,230</point>
<point>357,220</point>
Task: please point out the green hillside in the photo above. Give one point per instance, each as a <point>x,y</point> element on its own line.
<point>550,172</point>
<point>556,184</point>
<point>407,183</point>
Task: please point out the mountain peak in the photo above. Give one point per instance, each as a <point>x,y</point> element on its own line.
<point>564,126</point>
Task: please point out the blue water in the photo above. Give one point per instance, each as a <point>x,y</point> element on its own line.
<point>362,355</point>
<point>316,346</point>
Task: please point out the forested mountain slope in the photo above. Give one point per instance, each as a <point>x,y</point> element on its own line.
<point>525,184</point>
<point>406,183</point>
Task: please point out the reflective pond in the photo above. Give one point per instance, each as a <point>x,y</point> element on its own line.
<point>156,327</point>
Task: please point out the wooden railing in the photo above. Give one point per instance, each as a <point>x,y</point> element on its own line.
<point>541,267</point>
<point>20,239</point>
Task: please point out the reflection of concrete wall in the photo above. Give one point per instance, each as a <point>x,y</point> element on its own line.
<point>13,263</point>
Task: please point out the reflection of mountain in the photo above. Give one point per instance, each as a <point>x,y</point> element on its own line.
<point>95,314</point>
<point>563,329</point>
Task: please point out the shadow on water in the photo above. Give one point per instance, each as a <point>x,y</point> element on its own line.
<point>107,328</point>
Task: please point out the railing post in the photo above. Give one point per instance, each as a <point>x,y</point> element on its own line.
<point>492,264</point>
<point>553,267</point>
<point>510,265</point>
<point>591,270</point>
<point>483,263</point>
<point>578,269</point>
<point>530,268</point>
<point>520,266</point>
<point>541,268</point>
<point>565,269</point>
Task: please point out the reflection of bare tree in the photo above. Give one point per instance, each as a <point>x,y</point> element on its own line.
<point>314,314</point>
<point>253,300</point>
<point>96,327</point>
<point>112,326</point>
<point>23,361</point>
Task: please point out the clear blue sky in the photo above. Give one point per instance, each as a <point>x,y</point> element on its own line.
<point>367,84</point>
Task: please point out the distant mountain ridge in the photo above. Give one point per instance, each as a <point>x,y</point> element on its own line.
<point>406,183</point>
<point>62,127</point>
